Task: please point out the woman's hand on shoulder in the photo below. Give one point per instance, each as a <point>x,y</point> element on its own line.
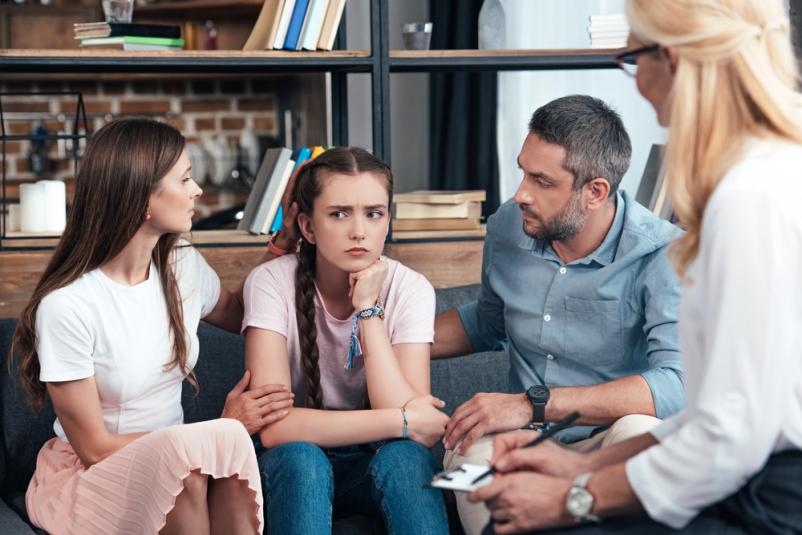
<point>366,285</point>
<point>259,407</point>
<point>427,422</point>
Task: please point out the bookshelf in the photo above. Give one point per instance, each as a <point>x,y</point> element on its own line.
<point>379,62</point>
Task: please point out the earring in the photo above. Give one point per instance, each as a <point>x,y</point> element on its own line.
<point>147,216</point>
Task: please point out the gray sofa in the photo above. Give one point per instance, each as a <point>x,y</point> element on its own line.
<point>219,367</point>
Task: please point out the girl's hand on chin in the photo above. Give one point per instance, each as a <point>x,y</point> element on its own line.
<point>366,285</point>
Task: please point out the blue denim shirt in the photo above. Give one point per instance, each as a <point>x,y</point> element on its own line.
<point>599,318</point>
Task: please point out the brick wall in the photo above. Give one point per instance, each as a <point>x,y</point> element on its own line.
<point>202,109</point>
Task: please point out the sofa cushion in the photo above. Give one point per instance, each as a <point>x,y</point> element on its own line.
<point>220,366</point>
<point>24,430</point>
<point>11,523</point>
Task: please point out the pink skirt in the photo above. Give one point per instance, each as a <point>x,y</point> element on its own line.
<point>133,490</point>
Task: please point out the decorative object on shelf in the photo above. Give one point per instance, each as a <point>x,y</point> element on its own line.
<point>32,206</point>
<point>37,155</point>
<point>42,207</point>
<point>492,26</point>
<point>118,10</point>
<point>417,35</point>
<point>210,36</point>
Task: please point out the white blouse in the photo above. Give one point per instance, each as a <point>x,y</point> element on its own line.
<point>740,331</point>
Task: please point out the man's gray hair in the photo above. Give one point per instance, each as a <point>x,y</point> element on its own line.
<point>592,134</point>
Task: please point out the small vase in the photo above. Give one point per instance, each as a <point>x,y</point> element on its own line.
<point>492,26</point>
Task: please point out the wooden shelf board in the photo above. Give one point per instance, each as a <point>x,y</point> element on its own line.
<point>182,61</point>
<point>471,53</point>
<point>179,54</point>
<point>202,238</point>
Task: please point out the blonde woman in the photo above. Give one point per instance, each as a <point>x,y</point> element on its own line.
<point>721,74</point>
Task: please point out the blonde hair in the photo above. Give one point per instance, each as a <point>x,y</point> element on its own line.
<point>736,77</point>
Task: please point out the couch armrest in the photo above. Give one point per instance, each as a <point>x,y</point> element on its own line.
<point>11,523</point>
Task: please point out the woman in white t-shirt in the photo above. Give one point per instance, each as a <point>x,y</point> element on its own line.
<point>721,74</point>
<point>110,335</point>
<point>349,331</point>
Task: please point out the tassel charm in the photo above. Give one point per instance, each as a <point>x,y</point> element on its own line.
<point>354,348</point>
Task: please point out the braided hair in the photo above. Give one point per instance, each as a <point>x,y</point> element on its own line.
<point>341,161</point>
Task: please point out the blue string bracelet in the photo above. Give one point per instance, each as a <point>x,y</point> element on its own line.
<point>405,431</point>
<point>354,347</point>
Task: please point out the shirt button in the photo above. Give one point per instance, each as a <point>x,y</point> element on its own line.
<point>550,356</point>
<point>547,317</point>
<point>563,271</point>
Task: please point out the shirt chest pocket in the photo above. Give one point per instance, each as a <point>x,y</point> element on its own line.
<point>593,331</point>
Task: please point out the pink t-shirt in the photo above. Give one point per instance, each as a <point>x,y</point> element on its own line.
<point>270,304</point>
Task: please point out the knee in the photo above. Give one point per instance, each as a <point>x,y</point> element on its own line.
<point>196,486</point>
<point>403,456</point>
<point>480,453</point>
<point>297,461</point>
<point>629,426</point>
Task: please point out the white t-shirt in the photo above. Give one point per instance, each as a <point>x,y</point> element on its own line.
<point>121,335</point>
<point>740,334</point>
<point>269,296</point>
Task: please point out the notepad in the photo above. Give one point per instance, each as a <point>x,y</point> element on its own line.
<point>459,479</point>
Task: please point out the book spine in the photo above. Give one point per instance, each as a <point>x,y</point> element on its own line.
<point>296,24</point>
<point>144,30</point>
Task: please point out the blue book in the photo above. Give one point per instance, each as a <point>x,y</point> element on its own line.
<point>303,154</point>
<point>296,24</point>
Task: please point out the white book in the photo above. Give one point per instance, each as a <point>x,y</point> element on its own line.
<point>275,201</point>
<point>284,24</point>
<point>330,24</point>
<point>305,24</point>
<point>316,16</point>
<point>265,189</point>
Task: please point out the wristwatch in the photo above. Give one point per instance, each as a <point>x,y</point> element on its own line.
<point>538,396</point>
<point>579,501</point>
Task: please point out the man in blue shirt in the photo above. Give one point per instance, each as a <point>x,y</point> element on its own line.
<point>576,282</point>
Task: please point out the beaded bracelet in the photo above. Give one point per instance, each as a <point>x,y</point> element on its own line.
<point>354,347</point>
<point>405,431</point>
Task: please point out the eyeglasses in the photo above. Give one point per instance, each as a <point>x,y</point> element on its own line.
<point>627,60</point>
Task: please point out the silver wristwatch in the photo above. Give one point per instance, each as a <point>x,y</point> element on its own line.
<point>579,501</point>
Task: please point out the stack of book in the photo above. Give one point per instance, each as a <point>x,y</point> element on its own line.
<point>428,214</point>
<point>296,25</point>
<point>608,31</point>
<point>122,36</point>
<point>262,214</point>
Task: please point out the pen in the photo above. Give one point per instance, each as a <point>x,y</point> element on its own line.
<point>556,428</point>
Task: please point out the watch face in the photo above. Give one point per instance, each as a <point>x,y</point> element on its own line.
<point>538,393</point>
<point>579,502</point>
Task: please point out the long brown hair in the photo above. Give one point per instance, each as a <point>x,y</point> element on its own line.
<point>342,161</point>
<point>122,165</point>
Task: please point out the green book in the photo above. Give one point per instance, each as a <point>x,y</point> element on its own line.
<point>132,40</point>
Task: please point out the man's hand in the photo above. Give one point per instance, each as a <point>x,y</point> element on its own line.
<point>486,413</point>
<point>525,501</point>
<point>258,407</point>
<point>547,458</point>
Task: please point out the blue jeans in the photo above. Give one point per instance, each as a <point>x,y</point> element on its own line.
<point>305,486</point>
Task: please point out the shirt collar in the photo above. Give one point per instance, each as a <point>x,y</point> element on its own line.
<point>604,253</point>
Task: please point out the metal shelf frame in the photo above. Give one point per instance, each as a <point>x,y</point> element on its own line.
<point>380,62</point>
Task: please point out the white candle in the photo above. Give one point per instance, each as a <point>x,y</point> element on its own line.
<point>12,218</point>
<point>55,201</point>
<point>32,207</point>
